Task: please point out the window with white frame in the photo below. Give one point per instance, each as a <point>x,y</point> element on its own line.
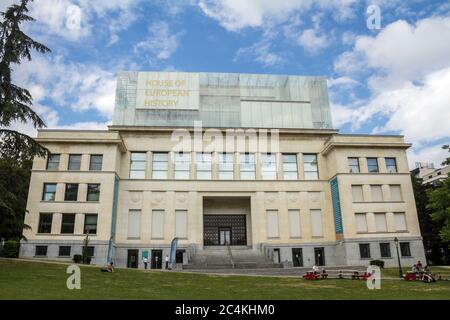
<point>316,223</point>
<point>396,193</point>
<point>400,221</point>
<point>361,222</point>
<point>134,224</point>
<point>290,167</point>
<point>268,166</point>
<point>377,193</point>
<point>137,165</point>
<point>182,163</point>
<point>310,167</point>
<point>380,222</point>
<point>357,193</point>
<point>226,166</point>
<point>247,166</point>
<point>160,165</point>
<point>203,164</point>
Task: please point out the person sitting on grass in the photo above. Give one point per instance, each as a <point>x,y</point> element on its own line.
<point>315,269</point>
<point>324,274</point>
<point>108,268</point>
<point>355,275</point>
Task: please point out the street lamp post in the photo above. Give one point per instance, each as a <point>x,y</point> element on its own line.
<point>400,271</point>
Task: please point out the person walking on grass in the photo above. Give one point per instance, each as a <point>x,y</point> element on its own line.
<point>145,260</point>
<point>167,262</point>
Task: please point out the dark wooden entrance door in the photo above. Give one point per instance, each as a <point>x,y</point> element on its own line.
<point>224,236</point>
<point>156,262</point>
<point>297,257</point>
<point>132,259</point>
<point>319,256</point>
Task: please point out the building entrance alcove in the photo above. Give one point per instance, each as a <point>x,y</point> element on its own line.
<point>226,221</point>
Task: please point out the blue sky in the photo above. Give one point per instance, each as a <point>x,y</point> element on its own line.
<point>394,79</point>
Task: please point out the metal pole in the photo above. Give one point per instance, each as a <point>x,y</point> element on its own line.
<point>400,271</point>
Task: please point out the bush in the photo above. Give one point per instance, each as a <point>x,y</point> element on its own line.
<point>379,263</point>
<point>11,249</point>
<point>77,258</point>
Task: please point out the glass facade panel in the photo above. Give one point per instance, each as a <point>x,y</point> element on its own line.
<point>68,223</point>
<point>391,165</point>
<point>71,193</point>
<point>93,192</point>
<point>290,167</point>
<point>45,223</point>
<point>90,224</point>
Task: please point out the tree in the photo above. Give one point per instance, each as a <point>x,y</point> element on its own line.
<point>15,102</point>
<point>436,251</point>
<point>439,204</point>
<point>14,182</point>
<point>447,160</point>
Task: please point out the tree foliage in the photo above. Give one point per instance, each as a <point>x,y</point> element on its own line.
<point>15,102</point>
<point>447,160</point>
<point>439,204</point>
<point>14,183</point>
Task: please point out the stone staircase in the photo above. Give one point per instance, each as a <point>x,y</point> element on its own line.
<point>229,257</point>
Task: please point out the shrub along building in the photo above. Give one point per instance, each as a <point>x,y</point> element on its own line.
<point>265,176</point>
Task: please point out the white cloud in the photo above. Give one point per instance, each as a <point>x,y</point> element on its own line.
<point>73,19</point>
<point>160,43</point>
<point>71,85</point>
<point>261,51</point>
<point>89,125</point>
<point>313,41</point>
<point>409,69</point>
<point>433,153</point>
<point>235,15</point>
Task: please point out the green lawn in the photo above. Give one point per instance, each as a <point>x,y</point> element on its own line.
<point>32,280</point>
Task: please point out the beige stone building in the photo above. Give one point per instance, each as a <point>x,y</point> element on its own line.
<point>265,173</point>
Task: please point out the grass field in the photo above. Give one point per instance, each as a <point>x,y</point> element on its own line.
<point>33,280</point>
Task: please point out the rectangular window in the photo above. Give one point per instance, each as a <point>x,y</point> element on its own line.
<point>247,166</point>
<point>364,250</point>
<point>391,165</point>
<point>380,222</point>
<point>90,224</point>
<point>357,193</point>
<point>290,167</point>
<point>268,166</point>
<point>45,223</point>
<point>74,162</point>
<point>372,164</point>
<point>134,224</point>
<point>226,166</point>
<point>88,251</point>
<point>310,167</point>
<point>157,224</point>
<point>182,165</point>
<point>396,193</point>
<point>160,165</point>
<point>353,165</point>
<point>400,221</point>
<point>385,250</point>
<point>272,224</point>
<point>405,249</point>
<point>53,162</point>
<point>361,222</point>
<point>68,223</point>
<point>377,193</point>
<point>49,192</point>
<point>93,192</point>
<point>41,251</point>
<point>137,165</point>
<point>294,223</point>
<point>64,251</point>
<point>204,168</point>
<point>316,222</point>
<point>96,162</point>
<point>71,193</point>
<point>181,223</point>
